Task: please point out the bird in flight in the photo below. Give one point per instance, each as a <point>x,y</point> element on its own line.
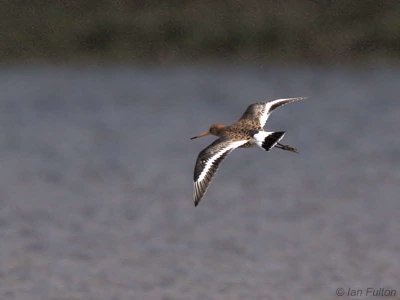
<point>246,132</point>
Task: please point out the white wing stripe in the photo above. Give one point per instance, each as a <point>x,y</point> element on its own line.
<point>265,115</point>
<point>210,162</point>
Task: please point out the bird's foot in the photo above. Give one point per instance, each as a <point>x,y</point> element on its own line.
<point>286,147</point>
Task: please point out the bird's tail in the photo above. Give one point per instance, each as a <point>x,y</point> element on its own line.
<point>268,140</point>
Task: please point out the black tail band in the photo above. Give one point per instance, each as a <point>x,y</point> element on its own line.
<point>271,140</point>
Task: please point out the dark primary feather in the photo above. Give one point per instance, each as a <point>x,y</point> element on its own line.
<point>284,102</point>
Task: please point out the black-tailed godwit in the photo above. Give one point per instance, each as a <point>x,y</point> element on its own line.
<point>246,132</point>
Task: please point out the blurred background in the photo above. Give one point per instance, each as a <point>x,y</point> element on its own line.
<point>176,31</point>
<point>98,100</point>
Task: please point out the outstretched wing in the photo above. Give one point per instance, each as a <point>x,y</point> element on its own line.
<point>260,111</point>
<point>207,164</point>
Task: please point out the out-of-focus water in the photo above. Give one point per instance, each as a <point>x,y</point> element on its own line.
<point>96,184</point>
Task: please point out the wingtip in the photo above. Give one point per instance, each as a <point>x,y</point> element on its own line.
<point>295,98</point>
<point>282,101</point>
<point>196,199</point>
<point>298,98</point>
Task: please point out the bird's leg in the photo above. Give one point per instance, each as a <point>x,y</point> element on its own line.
<point>286,147</point>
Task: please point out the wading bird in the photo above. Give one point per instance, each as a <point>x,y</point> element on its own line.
<point>246,132</point>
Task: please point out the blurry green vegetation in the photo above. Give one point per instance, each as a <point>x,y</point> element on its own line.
<point>180,30</point>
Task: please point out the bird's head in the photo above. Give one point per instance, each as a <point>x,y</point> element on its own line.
<point>215,129</point>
